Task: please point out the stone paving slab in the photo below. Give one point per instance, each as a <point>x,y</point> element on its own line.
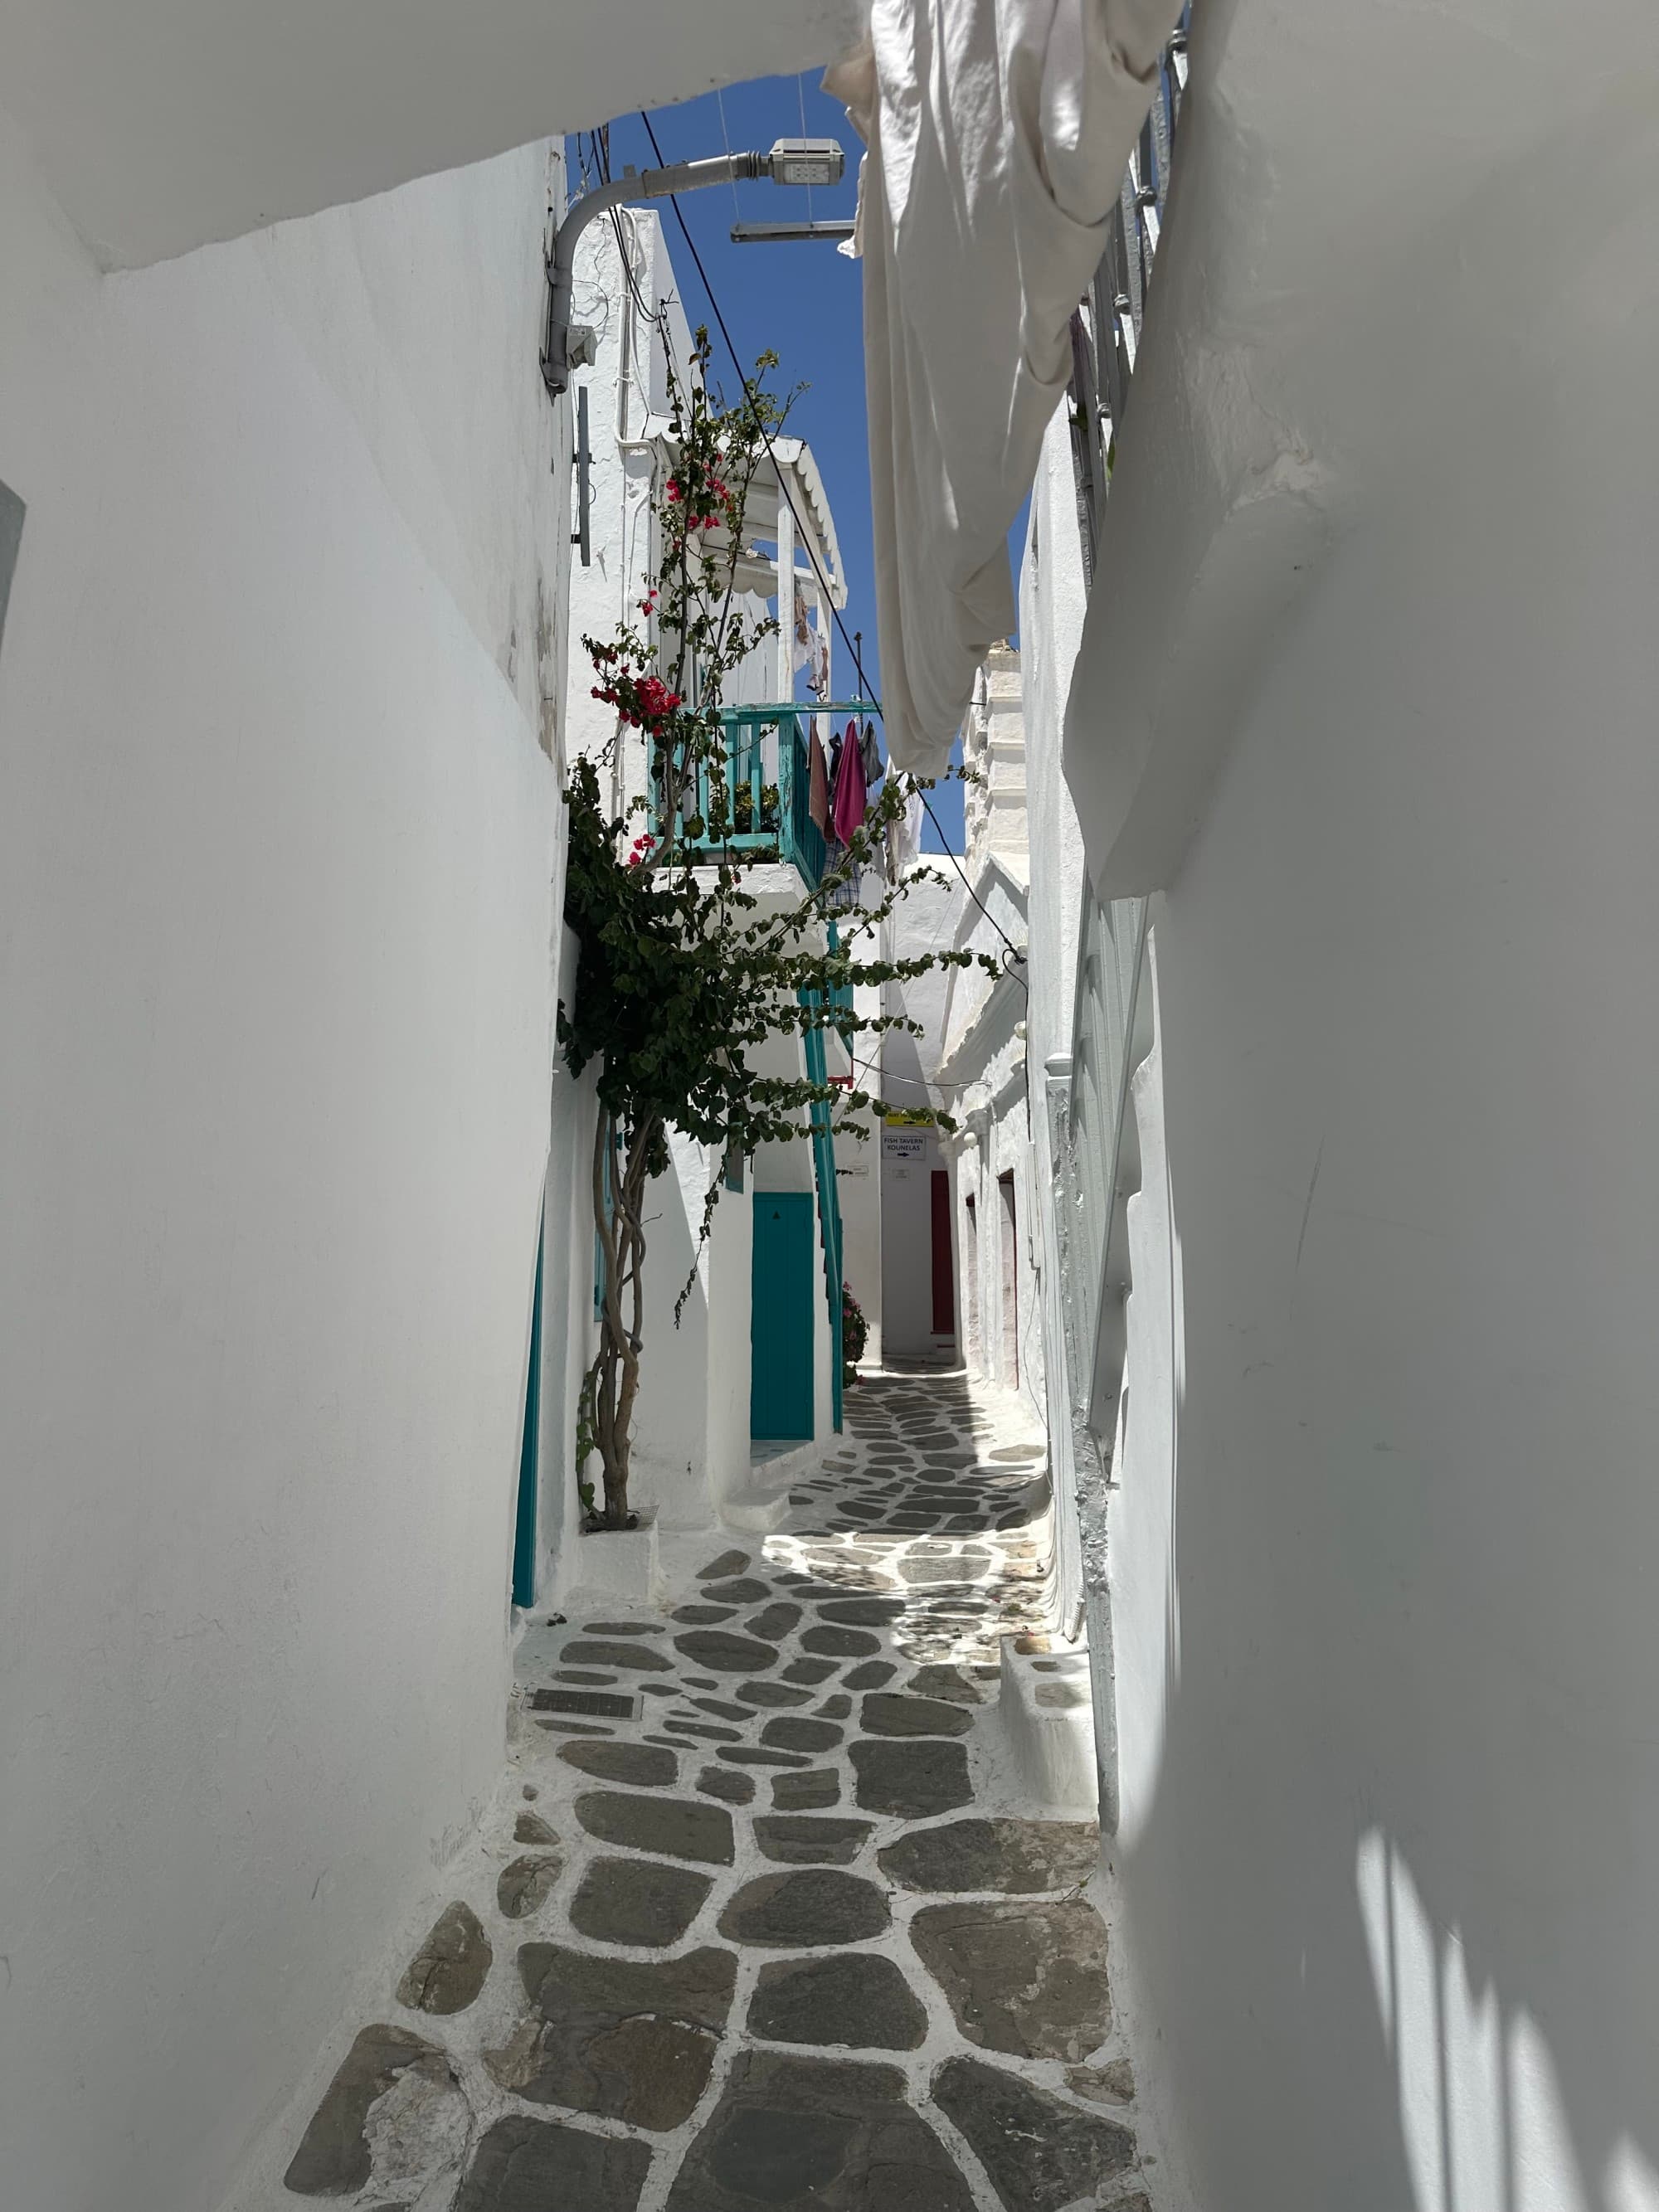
<point>804,1839</point>
<point>812,1906</point>
<point>447,1971</point>
<point>524,1885</point>
<point>672,1827</point>
<point>794,2134</point>
<point>1024,1977</point>
<point>628,2039</point>
<point>333,2158</point>
<point>858,1998</point>
<point>636,1901</point>
<point>749,1935</point>
<point>911,1779</point>
<point>1042,2154</point>
<point>541,2165</point>
<point>640,1764</point>
<point>1018,1857</point>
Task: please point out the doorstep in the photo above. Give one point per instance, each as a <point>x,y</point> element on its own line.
<point>1045,1711</point>
<point>762,1503</point>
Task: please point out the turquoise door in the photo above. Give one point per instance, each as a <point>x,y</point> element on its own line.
<point>524,1535</point>
<point>780,1316</point>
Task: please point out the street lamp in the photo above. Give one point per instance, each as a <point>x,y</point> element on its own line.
<point>791,161</point>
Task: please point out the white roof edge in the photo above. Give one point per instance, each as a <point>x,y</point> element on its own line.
<point>796,454</point>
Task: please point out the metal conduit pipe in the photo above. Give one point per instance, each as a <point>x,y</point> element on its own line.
<point>791,161</point>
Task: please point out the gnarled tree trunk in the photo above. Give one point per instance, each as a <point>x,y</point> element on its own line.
<point>620,1176</point>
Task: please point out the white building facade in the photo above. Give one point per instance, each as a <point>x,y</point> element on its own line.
<point>1350,1138</point>
<point>279,813</point>
<point>699,1459</point>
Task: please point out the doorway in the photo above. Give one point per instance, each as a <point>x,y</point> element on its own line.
<point>1010,1281</point>
<point>524,1530</point>
<point>780,1399</point>
<point>971,1274</point>
<point>945,1285</point>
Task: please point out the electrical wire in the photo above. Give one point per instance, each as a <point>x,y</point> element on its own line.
<point>800,94</point>
<point>1011,950</point>
<point>602,165</point>
<point>915,1082</point>
<point>725,140</point>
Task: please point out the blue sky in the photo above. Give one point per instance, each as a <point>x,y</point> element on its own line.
<point>802,301</point>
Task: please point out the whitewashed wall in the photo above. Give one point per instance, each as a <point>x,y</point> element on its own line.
<point>1052,602</point>
<point>858,1181</point>
<point>691,1418</point>
<point>1384,1545</point>
<point>924,920</point>
<point>997,1145</point>
<point>278,838</point>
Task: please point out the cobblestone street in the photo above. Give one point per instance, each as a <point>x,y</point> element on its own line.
<point>756,1920</point>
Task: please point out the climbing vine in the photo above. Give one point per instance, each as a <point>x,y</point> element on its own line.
<point>685,974</point>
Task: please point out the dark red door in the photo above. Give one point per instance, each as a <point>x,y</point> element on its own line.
<point>944,1277</point>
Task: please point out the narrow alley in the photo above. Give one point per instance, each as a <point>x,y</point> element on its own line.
<point>752,1922</point>
<point>829,1212</point>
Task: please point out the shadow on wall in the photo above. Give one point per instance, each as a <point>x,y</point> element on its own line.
<point>1479,2101</point>
<point>1390,1899</point>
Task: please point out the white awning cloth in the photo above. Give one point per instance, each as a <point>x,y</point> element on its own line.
<point>998,133</point>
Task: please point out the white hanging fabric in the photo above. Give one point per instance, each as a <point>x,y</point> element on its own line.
<point>998,133</point>
<point>811,651</point>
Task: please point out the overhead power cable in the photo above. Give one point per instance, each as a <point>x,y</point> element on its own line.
<point>1011,950</point>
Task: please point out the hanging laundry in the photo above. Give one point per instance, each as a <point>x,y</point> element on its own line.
<point>818,783</point>
<point>904,839</point>
<point>997,132</point>
<point>850,795</point>
<point>870,754</point>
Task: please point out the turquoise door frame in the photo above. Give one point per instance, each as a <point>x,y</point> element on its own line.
<point>781,1394</point>
<point>823,1175</point>
<point>524,1533</point>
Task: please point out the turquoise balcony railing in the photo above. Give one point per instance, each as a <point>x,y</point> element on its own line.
<point>763,818</point>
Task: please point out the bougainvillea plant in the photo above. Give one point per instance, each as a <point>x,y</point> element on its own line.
<point>684,973</point>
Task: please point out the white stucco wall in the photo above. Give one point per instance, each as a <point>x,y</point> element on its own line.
<point>1052,602</point>
<point>277,843</point>
<point>691,1418</point>
<point>858,1181</point>
<point>161,129</point>
<point>925,920</point>
<point>1388,1644</point>
<point>997,1145</point>
<point>910,1158</point>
